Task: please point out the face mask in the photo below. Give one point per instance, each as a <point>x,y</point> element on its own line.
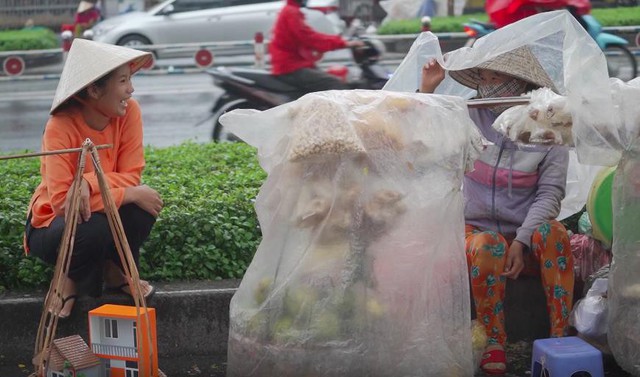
<point>509,88</point>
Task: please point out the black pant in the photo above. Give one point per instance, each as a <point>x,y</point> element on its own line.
<point>93,245</point>
<point>312,80</point>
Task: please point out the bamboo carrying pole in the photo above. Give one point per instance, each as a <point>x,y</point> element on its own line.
<point>49,153</point>
<point>49,320</point>
<point>489,102</point>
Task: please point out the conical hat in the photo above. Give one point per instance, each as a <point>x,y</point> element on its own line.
<point>520,63</point>
<point>88,61</point>
<point>84,5</point>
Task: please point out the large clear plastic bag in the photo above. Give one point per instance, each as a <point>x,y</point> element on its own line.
<point>606,126</point>
<point>361,270</point>
<point>624,277</point>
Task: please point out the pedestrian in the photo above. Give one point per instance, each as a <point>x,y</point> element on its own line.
<point>87,15</point>
<point>93,100</point>
<point>512,198</point>
<point>295,47</point>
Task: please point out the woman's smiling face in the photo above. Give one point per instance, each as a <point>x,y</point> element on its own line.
<point>115,92</point>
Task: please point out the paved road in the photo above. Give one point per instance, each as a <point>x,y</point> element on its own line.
<point>172,105</point>
<point>174,99</point>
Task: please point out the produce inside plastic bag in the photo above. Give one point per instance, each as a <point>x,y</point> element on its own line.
<point>545,120</point>
<point>361,270</point>
<point>606,125</point>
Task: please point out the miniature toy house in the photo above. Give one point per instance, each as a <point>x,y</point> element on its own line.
<point>71,356</point>
<point>121,342</point>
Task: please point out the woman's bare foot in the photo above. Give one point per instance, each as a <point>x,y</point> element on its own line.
<point>116,280</point>
<point>147,289</point>
<point>62,304</point>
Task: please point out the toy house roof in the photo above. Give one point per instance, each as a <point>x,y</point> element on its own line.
<point>118,311</point>
<point>75,350</point>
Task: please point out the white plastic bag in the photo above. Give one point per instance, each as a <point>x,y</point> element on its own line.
<point>361,269</point>
<point>545,120</point>
<point>589,316</point>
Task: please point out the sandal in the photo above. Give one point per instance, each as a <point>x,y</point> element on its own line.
<point>124,288</point>
<point>63,304</point>
<point>497,358</point>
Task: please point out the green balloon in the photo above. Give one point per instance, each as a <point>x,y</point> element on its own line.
<point>600,207</point>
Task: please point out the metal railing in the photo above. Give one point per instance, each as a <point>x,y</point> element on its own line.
<point>232,47</point>
<point>120,351</point>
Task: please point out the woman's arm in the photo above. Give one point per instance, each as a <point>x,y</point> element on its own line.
<point>310,38</point>
<point>552,181</point>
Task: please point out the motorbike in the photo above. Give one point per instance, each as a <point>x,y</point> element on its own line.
<point>251,88</point>
<point>621,62</point>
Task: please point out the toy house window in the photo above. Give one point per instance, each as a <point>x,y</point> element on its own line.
<point>107,367</point>
<point>135,334</point>
<point>111,328</point>
<point>131,369</point>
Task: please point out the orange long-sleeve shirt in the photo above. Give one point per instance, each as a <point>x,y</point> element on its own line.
<point>122,164</point>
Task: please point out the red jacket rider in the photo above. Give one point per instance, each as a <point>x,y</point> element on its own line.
<point>295,45</point>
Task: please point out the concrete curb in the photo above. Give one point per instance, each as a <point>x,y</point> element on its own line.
<point>193,322</point>
<point>193,326</point>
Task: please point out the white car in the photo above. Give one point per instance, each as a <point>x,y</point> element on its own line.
<point>203,21</point>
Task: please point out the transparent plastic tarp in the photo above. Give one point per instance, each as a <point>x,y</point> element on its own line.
<point>361,270</point>
<point>606,126</point>
<point>623,332</point>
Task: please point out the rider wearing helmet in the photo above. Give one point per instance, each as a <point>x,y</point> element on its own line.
<point>295,47</point>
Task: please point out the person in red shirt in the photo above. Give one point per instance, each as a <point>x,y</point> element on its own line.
<point>295,47</point>
<point>87,15</point>
<point>93,100</point>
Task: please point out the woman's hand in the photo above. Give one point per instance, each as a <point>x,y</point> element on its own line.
<point>144,197</point>
<point>515,260</point>
<point>85,205</point>
<point>432,76</point>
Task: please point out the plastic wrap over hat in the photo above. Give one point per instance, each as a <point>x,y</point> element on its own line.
<point>88,61</point>
<point>520,63</point>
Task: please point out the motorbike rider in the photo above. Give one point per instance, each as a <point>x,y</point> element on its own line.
<point>295,47</point>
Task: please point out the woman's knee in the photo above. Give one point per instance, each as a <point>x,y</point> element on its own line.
<point>486,242</point>
<point>550,244</point>
<point>137,222</point>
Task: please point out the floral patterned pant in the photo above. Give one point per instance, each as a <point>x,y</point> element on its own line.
<point>550,256</point>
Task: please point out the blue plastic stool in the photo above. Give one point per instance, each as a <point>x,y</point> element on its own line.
<point>564,357</point>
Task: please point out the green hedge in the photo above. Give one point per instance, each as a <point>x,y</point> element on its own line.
<point>624,16</point>
<point>28,39</point>
<point>207,230</point>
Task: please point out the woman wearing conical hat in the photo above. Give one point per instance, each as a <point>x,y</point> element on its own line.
<point>512,198</point>
<point>93,100</point>
<point>87,15</point>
